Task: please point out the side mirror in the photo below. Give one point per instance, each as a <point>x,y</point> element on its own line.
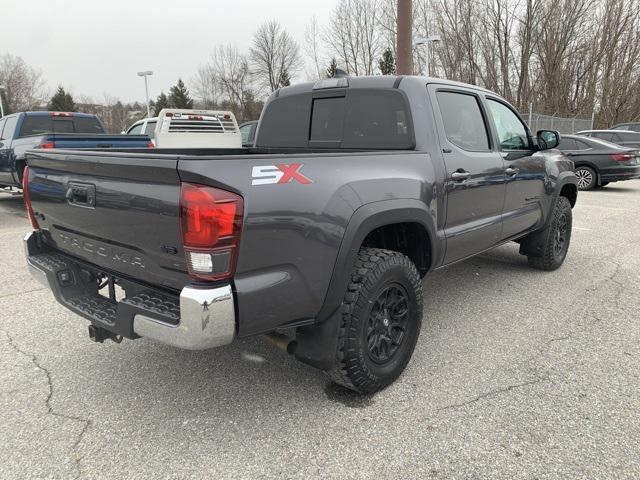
<point>548,139</point>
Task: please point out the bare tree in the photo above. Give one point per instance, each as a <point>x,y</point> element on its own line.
<point>312,48</point>
<point>354,36</point>
<point>23,85</point>
<point>275,55</point>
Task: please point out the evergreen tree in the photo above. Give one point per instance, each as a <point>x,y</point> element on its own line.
<point>61,102</point>
<point>333,68</point>
<point>179,96</point>
<point>285,80</point>
<point>387,63</point>
<point>161,102</point>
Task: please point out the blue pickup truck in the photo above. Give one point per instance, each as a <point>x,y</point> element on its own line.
<point>27,130</point>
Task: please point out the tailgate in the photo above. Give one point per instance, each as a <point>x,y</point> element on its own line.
<point>118,211</point>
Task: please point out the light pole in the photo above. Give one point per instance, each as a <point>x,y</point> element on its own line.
<point>426,41</point>
<point>1,106</point>
<point>145,74</point>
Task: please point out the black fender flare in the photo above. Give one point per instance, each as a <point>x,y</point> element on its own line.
<point>364,220</point>
<point>317,343</point>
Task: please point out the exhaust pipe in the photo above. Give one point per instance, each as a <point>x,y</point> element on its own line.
<point>282,342</point>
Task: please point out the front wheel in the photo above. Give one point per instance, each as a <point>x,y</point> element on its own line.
<point>548,248</point>
<point>587,179</point>
<point>381,319</point>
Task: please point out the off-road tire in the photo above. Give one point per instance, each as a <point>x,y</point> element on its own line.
<point>548,255</point>
<point>375,273</point>
<point>587,178</point>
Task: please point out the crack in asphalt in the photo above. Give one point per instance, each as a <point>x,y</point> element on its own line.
<point>22,292</point>
<point>50,411</point>
<point>492,393</point>
<point>567,336</point>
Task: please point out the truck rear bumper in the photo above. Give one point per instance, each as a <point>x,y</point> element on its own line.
<point>197,319</point>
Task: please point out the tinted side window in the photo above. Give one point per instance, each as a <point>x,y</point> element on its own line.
<point>463,121</point>
<point>135,130</point>
<point>512,134</point>
<point>621,127</point>
<point>9,128</point>
<point>377,119</point>
<point>582,145</point>
<point>327,119</point>
<point>286,122</point>
<point>629,136</point>
<point>567,144</point>
<point>85,125</point>
<point>609,137</point>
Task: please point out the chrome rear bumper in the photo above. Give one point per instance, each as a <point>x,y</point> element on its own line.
<point>198,319</point>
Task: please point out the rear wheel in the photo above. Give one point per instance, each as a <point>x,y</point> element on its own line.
<point>587,178</point>
<point>380,324</point>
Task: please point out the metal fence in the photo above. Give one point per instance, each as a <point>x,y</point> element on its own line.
<point>539,121</point>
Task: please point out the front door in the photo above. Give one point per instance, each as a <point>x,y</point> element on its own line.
<point>525,170</point>
<point>475,181</point>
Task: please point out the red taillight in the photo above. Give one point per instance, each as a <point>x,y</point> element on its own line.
<point>195,117</point>
<point>47,145</point>
<point>61,114</point>
<point>27,198</point>
<point>211,221</point>
<point>150,145</point>
<point>227,116</point>
<point>622,157</point>
<point>169,114</point>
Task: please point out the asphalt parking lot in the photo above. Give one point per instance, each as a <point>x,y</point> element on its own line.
<point>517,374</point>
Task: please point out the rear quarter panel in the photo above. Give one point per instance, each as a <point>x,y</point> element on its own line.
<point>292,231</point>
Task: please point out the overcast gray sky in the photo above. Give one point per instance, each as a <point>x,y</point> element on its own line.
<point>94,47</point>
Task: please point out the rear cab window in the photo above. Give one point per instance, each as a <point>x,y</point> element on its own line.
<point>360,118</point>
<point>43,124</point>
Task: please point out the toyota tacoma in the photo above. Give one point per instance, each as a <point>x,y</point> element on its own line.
<point>355,188</point>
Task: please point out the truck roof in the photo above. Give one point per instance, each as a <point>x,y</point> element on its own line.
<point>377,81</point>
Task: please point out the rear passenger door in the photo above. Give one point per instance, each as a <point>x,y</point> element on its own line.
<point>524,168</point>
<point>475,183</point>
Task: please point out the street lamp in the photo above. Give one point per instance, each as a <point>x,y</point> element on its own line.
<point>1,107</point>
<point>426,41</point>
<point>145,74</point>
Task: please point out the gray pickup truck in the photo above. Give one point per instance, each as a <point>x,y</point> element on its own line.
<point>355,189</point>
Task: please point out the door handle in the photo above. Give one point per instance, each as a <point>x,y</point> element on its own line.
<point>460,175</point>
<point>512,171</point>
